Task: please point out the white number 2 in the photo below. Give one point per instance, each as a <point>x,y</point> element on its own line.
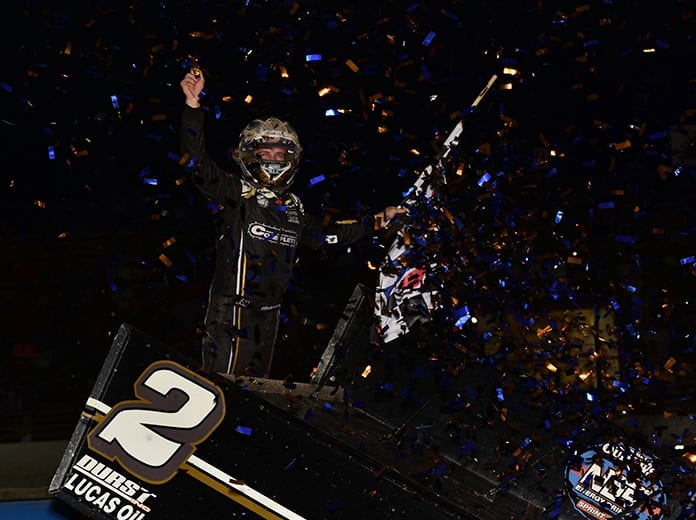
<point>152,436</point>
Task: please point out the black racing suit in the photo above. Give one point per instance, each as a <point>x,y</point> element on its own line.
<point>258,232</point>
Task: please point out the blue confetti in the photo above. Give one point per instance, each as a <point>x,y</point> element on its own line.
<point>499,394</point>
<point>626,239</point>
<point>244,430</point>
<point>632,331</point>
<point>657,135</point>
<point>620,385</point>
<point>429,38</point>
<point>467,447</point>
<point>462,316</point>
<point>484,179</point>
<point>316,180</point>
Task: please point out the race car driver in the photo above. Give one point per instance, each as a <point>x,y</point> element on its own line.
<point>259,226</point>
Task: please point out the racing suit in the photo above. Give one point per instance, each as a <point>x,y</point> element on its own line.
<point>258,231</point>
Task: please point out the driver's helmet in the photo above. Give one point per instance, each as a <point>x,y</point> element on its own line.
<point>269,172</point>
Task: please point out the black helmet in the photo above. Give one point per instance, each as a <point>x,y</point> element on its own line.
<point>271,132</point>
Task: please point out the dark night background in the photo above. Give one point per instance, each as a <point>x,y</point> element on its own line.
<point>100,225</point>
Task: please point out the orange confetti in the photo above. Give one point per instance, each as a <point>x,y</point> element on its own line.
<point>166,261</point>
<point>352,66</point>
<point>544,331</point>
<point>622,146</point>
<point>663,171</point>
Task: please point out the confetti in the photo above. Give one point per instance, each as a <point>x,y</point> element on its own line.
<point>244,430</point>
<point>569,191</point>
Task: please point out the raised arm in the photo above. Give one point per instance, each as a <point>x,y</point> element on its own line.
<point>212,180</point>
<point>192,85</point>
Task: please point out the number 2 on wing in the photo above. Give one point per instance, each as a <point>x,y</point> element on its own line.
<point>152,436</point>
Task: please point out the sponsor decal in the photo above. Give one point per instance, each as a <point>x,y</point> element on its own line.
<point>293,216</point>
<point>262,201</point>
<point>614,480</point>
<point>108,490</point>
<point>272,234</point>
